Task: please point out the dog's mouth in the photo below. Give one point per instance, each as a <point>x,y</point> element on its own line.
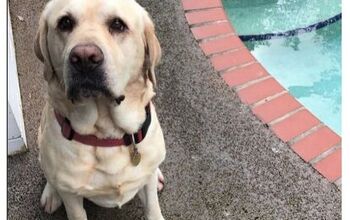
<point>78,91</point>
<point>87,85</point>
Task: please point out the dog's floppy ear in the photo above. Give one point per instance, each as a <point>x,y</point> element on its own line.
<point>41,48</point>
<point>152,48</point>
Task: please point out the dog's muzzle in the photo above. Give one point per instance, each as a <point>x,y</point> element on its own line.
<point>86,73</point>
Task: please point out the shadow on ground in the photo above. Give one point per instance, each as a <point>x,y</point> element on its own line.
<point>222,163</point>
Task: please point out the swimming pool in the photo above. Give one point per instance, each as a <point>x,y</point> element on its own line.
<point>307,64</point>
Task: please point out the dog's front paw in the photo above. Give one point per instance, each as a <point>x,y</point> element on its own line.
<point>50,200</point>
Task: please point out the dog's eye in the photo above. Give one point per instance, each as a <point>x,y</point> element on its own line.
<point>66,23</point>
<point>117,25</point>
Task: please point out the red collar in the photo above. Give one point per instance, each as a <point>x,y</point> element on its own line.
<point>69,133</point>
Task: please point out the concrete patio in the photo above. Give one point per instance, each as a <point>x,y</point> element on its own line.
<point>222,162</point>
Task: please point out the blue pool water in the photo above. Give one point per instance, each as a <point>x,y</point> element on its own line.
<point>308,64</point>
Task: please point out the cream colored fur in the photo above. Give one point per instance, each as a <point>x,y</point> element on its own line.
<point>103,175</point>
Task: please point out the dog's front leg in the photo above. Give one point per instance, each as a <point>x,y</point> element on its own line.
<point>149,197</point>
<point>74,206</point>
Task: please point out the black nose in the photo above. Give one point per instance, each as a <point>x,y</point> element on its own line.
<point>86,57</point>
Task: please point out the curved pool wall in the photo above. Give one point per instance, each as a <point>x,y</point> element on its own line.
<point>276,107</point>
<point>306,60</point>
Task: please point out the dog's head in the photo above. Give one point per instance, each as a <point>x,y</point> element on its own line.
<point>97,46</point>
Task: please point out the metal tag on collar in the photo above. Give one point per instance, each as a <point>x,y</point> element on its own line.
<point>135,155</point>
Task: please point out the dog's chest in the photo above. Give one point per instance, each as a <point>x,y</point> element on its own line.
<point>111,170</point>
<point>103,175</point>
<point>107,176</point>
<point>113,184</point>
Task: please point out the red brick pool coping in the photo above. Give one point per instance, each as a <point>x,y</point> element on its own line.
<point>313,141</point>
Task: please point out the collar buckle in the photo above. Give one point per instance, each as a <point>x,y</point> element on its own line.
<point>132,138</point>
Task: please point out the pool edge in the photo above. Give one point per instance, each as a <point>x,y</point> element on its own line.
<point>271,103</point>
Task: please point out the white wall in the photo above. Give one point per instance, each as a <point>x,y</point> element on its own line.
<point>15,116</point>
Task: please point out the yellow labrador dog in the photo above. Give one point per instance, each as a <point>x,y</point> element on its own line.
<point>99,136</point>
